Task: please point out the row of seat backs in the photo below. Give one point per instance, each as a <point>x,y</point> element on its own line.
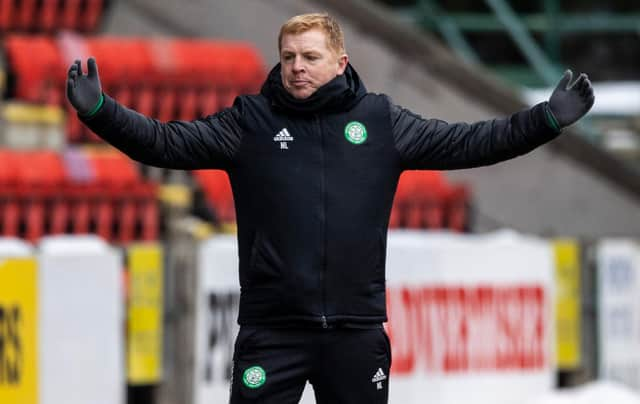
<point>51,15</point>
<point>427,200</point>
<point>84,190</point>
<point>118,219</point>
<point>105,167</point>
<point>167,79</point>
<point>39,64</point>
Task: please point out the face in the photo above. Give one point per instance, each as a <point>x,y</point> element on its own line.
<point>308,63</point>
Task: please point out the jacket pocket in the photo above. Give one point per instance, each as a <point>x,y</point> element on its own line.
<point>381,254</point>
<point>265,263</point>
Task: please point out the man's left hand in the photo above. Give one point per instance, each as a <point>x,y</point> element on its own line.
<point>570,102</point>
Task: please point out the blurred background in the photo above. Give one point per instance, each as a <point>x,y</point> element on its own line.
<point>118,281</point>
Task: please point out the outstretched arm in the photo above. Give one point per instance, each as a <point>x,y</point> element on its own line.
<point>435,144</point>
<point>210,142</point>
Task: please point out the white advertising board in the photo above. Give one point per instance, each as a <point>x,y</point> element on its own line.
<point>81,304</point>
<point>470,318</point>
<point>216,314</point>
<point>619,311</point>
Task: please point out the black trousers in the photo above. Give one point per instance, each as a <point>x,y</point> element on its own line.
<point>344,365</point>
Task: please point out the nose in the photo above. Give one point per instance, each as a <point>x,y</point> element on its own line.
<point>298,65</point>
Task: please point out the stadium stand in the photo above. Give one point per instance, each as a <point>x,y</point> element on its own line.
<point>98,190</point>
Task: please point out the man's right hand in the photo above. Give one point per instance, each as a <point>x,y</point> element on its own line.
<point>84,91</point>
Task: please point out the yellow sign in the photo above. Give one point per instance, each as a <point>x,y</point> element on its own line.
<point>18,328</point>
<point>567,257</point>
<point>144,353</point>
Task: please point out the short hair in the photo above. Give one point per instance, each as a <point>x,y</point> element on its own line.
<point>322,21</point>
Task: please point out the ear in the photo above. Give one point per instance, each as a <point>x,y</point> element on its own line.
<point>343,60</point>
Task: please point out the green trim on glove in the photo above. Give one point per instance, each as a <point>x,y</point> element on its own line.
<point>96,108</point>
<point>551,120</point>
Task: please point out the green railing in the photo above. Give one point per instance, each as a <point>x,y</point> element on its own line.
<point>542,60</point>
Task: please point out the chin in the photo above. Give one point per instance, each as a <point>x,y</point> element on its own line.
<point>301,95</point>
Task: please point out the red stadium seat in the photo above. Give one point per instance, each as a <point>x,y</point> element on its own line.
<point>10,217</point>
<point>145,101</point>
<point>148,212</point>
<point>44,168</point>
<point>92,15</point>
<point>244,74</point>
<point>70,15</point>
<point>6,14</point>
<point>420,200</point>
<point>34,220</point>
<point>188,104</point>
<point>208,102</point>
<point>167,105</point>
<point>104,218</point>
<point>124,96</point>
<point>80,216</point>
<point>27,12</point>
<point>216,187</point>
<point>458,209</point>
<point>49,15</point>
<point>37,65</point>
<point>126,219</point>
<point>59,216</point>
<point>8,170</point>
<point>113,169</point>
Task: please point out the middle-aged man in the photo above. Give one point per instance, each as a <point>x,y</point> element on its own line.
<point>314,160</point>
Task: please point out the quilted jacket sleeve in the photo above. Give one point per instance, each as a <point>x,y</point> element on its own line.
<point>210,142</point>
<point>438,145</point>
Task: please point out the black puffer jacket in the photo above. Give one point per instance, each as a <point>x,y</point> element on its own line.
<point>313,182</point>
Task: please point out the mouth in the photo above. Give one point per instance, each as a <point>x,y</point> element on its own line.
<point>299,83</point>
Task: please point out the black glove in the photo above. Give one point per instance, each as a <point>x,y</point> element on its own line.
<point>84,91</point>
<point>568,103</point>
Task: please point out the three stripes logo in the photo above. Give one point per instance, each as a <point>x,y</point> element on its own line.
<point>283,137</point>
<point>378,378</point>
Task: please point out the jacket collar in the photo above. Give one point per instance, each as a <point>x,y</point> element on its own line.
<point>340,94</point>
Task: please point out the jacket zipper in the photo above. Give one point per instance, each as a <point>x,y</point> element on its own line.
<point>324,226</point>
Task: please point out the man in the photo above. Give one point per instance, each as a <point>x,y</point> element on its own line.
<point>314,160</point>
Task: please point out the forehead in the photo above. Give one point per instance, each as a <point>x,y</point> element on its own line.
<point>313,39</point>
